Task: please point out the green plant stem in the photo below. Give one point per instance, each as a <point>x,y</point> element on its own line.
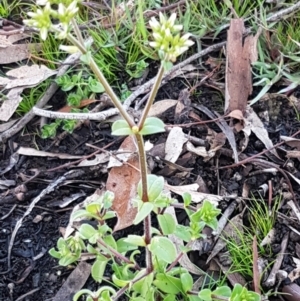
<point>152,95</point>
<point>117,254</point>
<point>144,172</point>
<point>181,206</point>
<point>124,288</point>
<point>77,31</point>
<point>172,265</point>
<point>103,81</point>
<point>143,166</point>
<point>214,297</point>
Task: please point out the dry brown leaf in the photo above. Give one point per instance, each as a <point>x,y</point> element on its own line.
<point>237,114</point>
<point>197,197</point>
<point>216,141</point>
<point>5,126</point>
<point>99,159</point>
<point>174,144</point>
<point>292,142</point>
<point>26,76</point>
<point>83,103</point>
<point>291,292</point>
<point>10,53</point>
<point>16,81</point>
<point>295,273</point>
<point>159,107</point>
<point>74,282</point>
<point>28,151</point>
<point>255,125</point>
<point>10,104</point>
<point>122,181</point>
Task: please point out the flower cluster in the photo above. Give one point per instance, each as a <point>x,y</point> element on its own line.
<point>167,39</point>
<point>42,18</point>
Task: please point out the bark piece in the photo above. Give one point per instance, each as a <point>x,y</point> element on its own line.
<point>240,53</point>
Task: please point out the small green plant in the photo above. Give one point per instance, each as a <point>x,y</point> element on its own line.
<point>261,222</point>
<point>7,7</point>
<point>31,97</point>
<point>160,276</point>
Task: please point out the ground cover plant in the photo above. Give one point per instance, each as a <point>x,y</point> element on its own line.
<point>111,54</point>
<point>161,277</point>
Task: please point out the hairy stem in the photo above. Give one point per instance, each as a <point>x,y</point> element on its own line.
<point>147,232</point>
<point>152,95</point>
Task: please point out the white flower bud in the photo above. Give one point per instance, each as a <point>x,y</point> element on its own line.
<point>41,2</point>
<point>61,10</point>
<point>157,37</point>
<point>171,20</point>
<point>162,18</point>
<point>154,24</point>
<point>44,33</point>
<point>69,49</point>
<point>177,28</point>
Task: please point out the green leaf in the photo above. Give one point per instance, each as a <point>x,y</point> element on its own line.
<point>183,232</point>
<point>143,285</point>
<point>170,298</point>
<point>95,86</point>
<point>68,259</point>
<point>155,186</point>
<point>121,128</point>
<point>205,295</point>
<point>144,211</point>
<point>98,269</point>
<point>119,282</point>
<point>82,213</point>
<point>87,231</point>
<point>163,248</point>
<point>93,208</point>
<point>74,99</point>
<point>223,291</point>
<point>186,281</point>
<point>86,58</point>
<point>152,125</point>
<point>108,199</point>
<point>82,292</point>
<point>110,241</point>
<point>166,223</point>
<point>167,65</point>
<point>123,246</point>
<point>109,215</point>
<point>168,284</point>
<point>187,199</point>
<point>135,240</point>
<point>54,253</point>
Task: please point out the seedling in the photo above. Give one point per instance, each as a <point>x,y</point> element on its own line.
<point>160,277</point>
<point>262,220</point>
